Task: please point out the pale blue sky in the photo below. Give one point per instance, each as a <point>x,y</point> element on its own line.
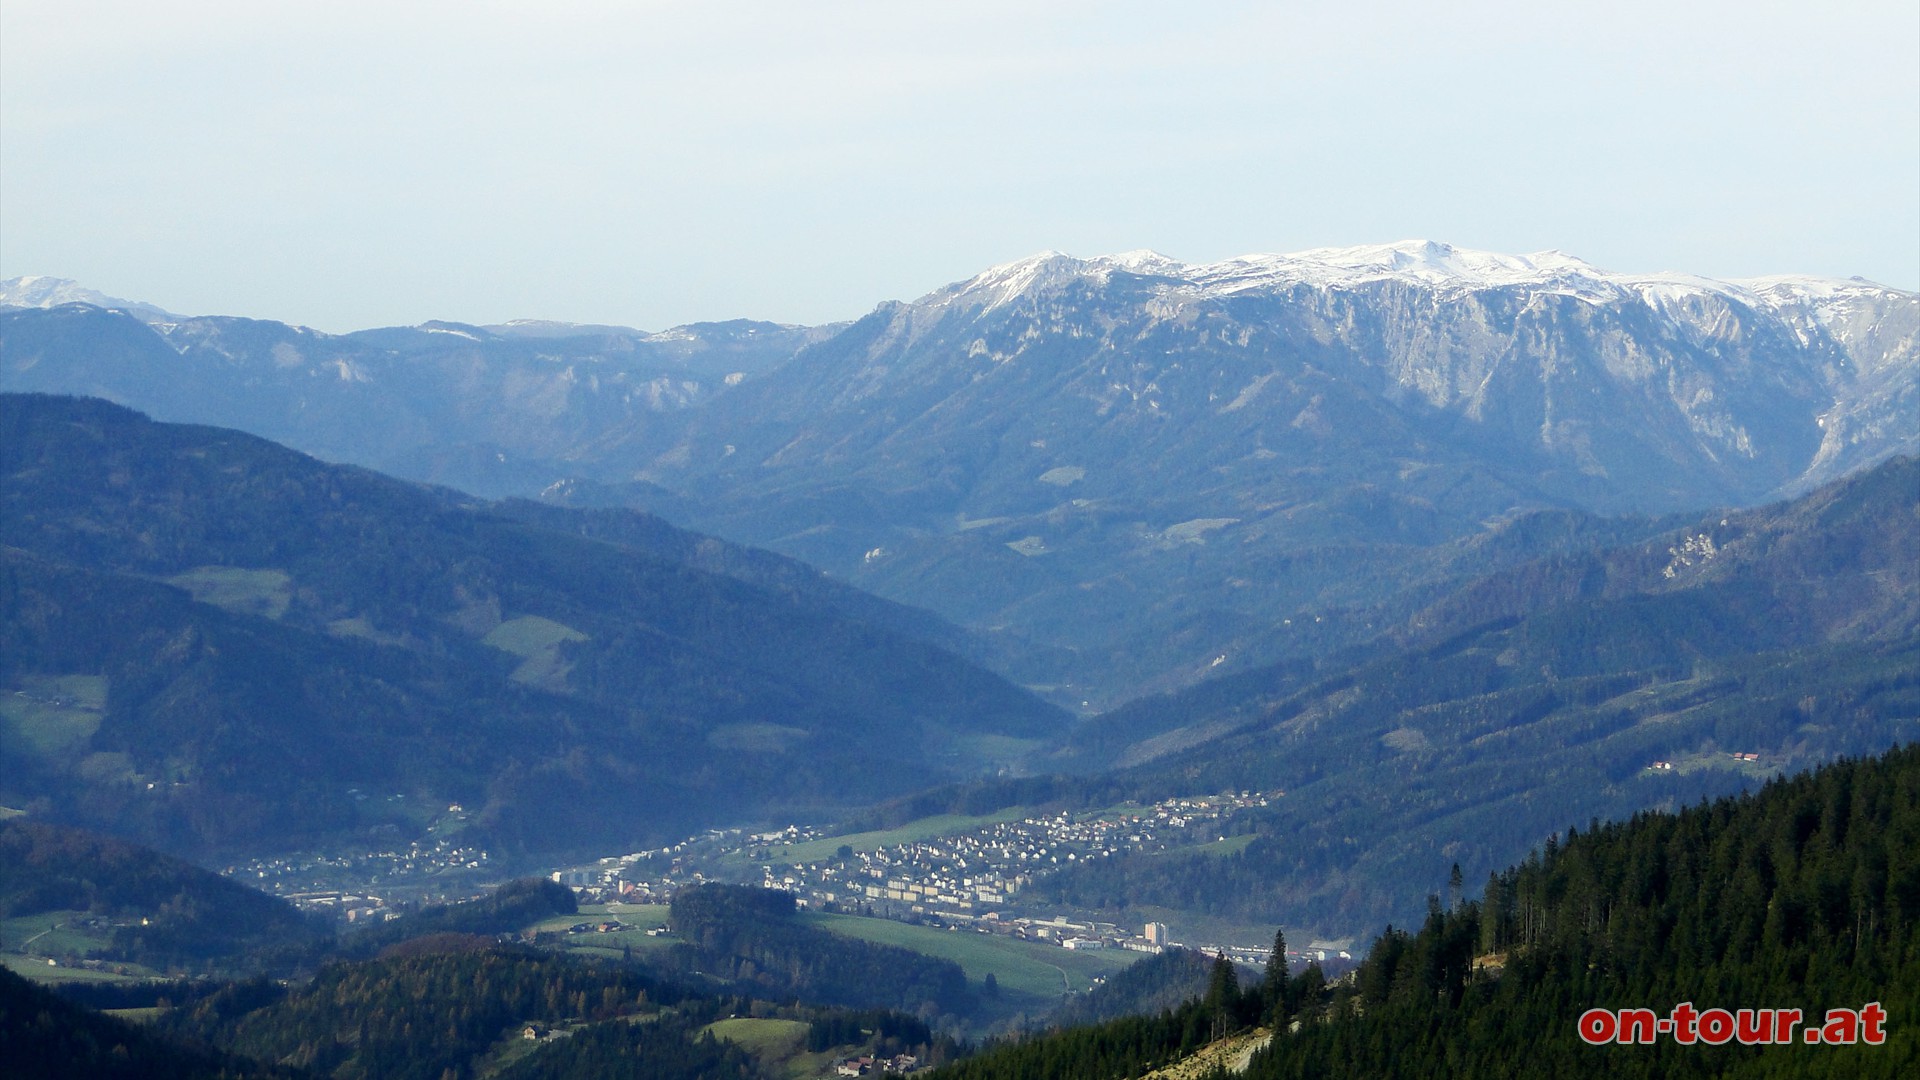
<point>348,165</point>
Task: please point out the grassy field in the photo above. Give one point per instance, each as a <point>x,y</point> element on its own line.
<point>913,831</point>
<point>531,635</point>
<point>766,1039</point>
<point>245,592</point>
<point>615,945</point>
<point>88,691</point>
<point>40,971</point>
<point>1042,971</point>
<point>51,715</point>
<point>50,933</point>
<point>28,941</point>
<point>536,641</point>
<point>779,1045</point>
<point>642,917</point>
<point>1231,845</point>
<point>996,750</point>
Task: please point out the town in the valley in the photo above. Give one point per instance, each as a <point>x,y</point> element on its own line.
<point>969,874</point>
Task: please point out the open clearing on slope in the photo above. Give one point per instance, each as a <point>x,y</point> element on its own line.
<point>762,1038</point>
<point>536,640</point>
<point>640,917</point>
<point>243,592</point>
<point>50,716</point>
<point>1023,967</point>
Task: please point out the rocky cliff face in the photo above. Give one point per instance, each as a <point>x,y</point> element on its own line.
<point>1607,391</point>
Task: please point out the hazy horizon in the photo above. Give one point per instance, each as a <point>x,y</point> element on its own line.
<point>345,166</point>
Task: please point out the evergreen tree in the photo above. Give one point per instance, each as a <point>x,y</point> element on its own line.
<point>1223,996</point>
<point>1275,1004</point>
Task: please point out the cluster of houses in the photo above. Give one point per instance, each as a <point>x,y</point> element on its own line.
<point>984,868</point>
<point>968,880</point>
<point>871,1065</point>
<point>431,870</point>
<point>968,872</point>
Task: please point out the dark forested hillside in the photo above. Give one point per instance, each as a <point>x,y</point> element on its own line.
<point>1805,896</point>
<point>1145,988</point>
<point>416,1016</point>
<point>511,907</point>
<point>43,1037</point>
<point>209,640</point>
<point>146,908</point>
<point>1575,687</point>
<point>467,1008</point>
<point>751,935</point>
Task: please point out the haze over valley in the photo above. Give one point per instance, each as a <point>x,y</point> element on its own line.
<point>1262,486</point>
<point>1116,604</point>
<point>998,541</point>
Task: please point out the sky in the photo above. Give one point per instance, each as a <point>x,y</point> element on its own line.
<point>345,164</point>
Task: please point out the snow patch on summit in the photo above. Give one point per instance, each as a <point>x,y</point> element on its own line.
<point>38,291</point>
<point>1441,268</point>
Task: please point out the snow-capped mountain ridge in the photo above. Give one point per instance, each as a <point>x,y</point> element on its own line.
<point>1442,268</point>
<point>40,291</point>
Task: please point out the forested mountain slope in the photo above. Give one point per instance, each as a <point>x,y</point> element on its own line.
<point>215,643</point>
<point>141,906</point>
<point>1804,896</point>
<point>43,1037</point>
<point>1650,675</point>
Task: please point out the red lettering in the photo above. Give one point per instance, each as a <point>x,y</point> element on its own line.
<point>1597,1026</point>
<point>1842,1026</point>
<point>1871,1017</point>
<point>1752,1027</point>
<point>1637,1026</point>
<point>1683,1017</point>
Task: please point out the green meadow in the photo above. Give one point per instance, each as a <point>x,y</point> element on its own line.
<point>245,592</point>
<point>1023,967</point>
<point>51,716</point>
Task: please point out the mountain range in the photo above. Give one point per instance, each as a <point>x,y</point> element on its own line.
<point>1453,547</point>
<point>1127,472</point>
